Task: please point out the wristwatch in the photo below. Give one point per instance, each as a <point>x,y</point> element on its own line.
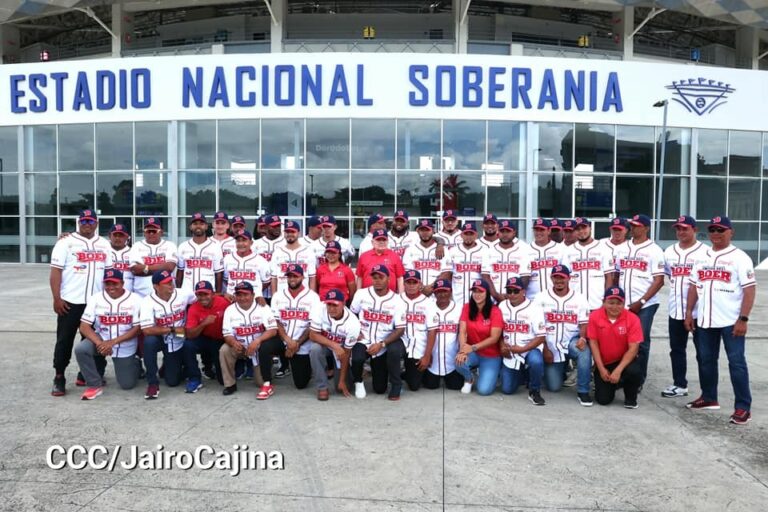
<point>474,348</point>
<point>642,302</point>
<point>744,318</point>
<point>146,270</point>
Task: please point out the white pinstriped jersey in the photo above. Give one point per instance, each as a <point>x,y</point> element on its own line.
<point>449,239</point>
<point>589,265</point>
<point>467,264</point>
<point>502,263</point>
<point>294,313</point>
<point>446,324</point>
<point>111,318</point>
<point>149,254</point>
<point>228,245</point>
<point>245,325</point>
<point>171,313</point>
<point>486,243</point>
<point>399,244</point>
<point>121,260</point>
<point>378,315</point>
<point>423,259</point>
<point>562,317</point>
<point>344,330</point>
<point>251,268</point>
<point>283,256</point>
<point>543,258</point>
<point>638,264</point>
<point>678,264</point>
<point>82,262</point>
<point>200,262</point>
<point>415,336</point>
<point>264,247</point>
<point>318,247</point>
<point>611,247</point>
<point>522,323</point>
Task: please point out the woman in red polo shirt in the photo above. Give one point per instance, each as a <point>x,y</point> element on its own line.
<point>334,274</point>
<point>479,334</point>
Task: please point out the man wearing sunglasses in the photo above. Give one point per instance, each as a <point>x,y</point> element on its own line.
<point>723,292</point>
<point>153,254</point>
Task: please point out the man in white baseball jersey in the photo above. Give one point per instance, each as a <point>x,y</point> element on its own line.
<point>546,255</point>
<point>382,324</point>
<point>151,255</point>
<point>723,291</point>
<point>641,275</point>
<point>490,226</point>
<point>246,326</point>
<point>556,230</point>
<point>679,260</point>
<point>244,265</point>
<point>314,231</point>
<point>110,327</point>
<point>505,259</point>
<point>329,226</point>
<point>522,338</point>
<point>449,232</point>
<point>291,252</point>
<point>265,246</point>
<point>566,314</point>
<point>466,262</point>
<point>78,262</point>
<point>121,253</point>
<point>422,256</point>
<point>400,237</point>
<point>200,258</point>
<point>439,359</point>
<point>569,232</point>
<point>375,222</point>
<point>222,234</point>
<point>590,265</point>
<point>334,330</point>
<point>415,335</point>
<point>619,228</point>
<point>163,317</point>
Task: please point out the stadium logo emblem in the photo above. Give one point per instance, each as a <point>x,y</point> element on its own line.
<point>700,95</point>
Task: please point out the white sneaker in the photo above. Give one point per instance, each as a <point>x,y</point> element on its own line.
<point>466,388</point>
<point>570,379</point>
<point>359,390</point>
<point>674,391</point>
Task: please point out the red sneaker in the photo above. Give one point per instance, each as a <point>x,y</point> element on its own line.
<point>702,405</point>
<point>265,392</point>
<point>91,393</point>
<point>741,417</point>
<point>152,391</point>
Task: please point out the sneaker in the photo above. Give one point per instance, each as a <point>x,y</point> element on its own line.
<point>630,404</point>
<point>283,372</point>
<point>266,391</point>
<point>535,397</point>
<point>193,386</point>
<point>208,373</point>
<point>153,390</point>
<point>466,388</point>
<point>359,390</point>
<point>59,385</point>
<point>585,399</point>
<point>323,394</point>
<point>570,380</point>
<point>674,391</point>
<point>394,395</point>
<point>741,417</point>
<point>91,393</point>
<point>229,390</point>
<point>701,404</point>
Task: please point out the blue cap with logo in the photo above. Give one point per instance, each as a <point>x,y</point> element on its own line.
<point>333,246</point>
<point>515,282</point>
<point>334,295</point>
<point>220,216</point>
<point>481,283</point>
<point>450,214</point>
<point>197,217</point>
<point>161,277</point>
<point>614,292</point>
<point>113,274</point>
<point>508,225</point>
<point>379,234</point>
<point>295,269</point>
<point>243,233</point>
<point>291,225</point>
<point>243,287</point>
<point>88,214</point>
<point>541,223</point>
<point>152,222</point>
<point>328,220</point>
<point>315,220</point>
<point>685,220</point>
<point>412,275</point>
<point>425,224</point>
<point>118,228</point>
<point>640,220</point>
<point>203,287</point>
<point>560,270</point>
<point>401,214</point>
<point>469,227</point>
<point>380,269</point>
<point>489,217</point>
<point>374,218</point>
<point>618,223</point>
<point>442,284</point>
<point>720,222</point>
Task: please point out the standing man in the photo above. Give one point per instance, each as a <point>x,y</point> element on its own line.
<point>505,259</point>
<point>618,228</point>
<point>641,275</point>
<point>590,265</point>
<point>200,259</point>
<point>329,226</point>
<point>415,335</point>
<point>314,230</point>
<point>265,246</point>
<point>556,230</point>
<point>380,255</point>
<point>121,253</point>
<point>205,318</point>
<point>244,265</point>
<point>422,257</point>
<point>375,222</point>
<point>78,262</point>
<point>490,231</point>
<point>221,233</point>
<point>439,359</point>
<point>723,290</point>
<point>291,252</point>
<point>466,263</point>
<point>679,260</point>
<point>400,238</point>
<point>153,254</point>
<point>569,232</point>
<point>545,255</point>
<point>450,232</point>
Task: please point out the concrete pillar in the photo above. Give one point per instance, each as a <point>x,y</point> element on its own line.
<point>747,47</point>
<point>461,30</point>
<point>625,29</point>
<point>277,32</point>
<point>10,51</point>
<point>122,26</point>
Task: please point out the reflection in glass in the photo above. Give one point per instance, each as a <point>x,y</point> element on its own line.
<point>418,192</point>
<point>327,144</point>
<point>464,192</point>
<point>76,193</point>
<point>713,152</point>
<point>239,144</point>
<point>372,192</point>
<point>283,192</point>
<point>114,193</point>
<point>197,192</point>
<point>282,144</point>
<point>710,197</point>
<point>373,144</point>
<point>76,147</point>
<point>743,199</point>
<point>553,197</point>
<point>506,145</point>
<point>634,149</point>
<point>555,146</point>
<point>418,144</point>
<point>114,146</point>
<point>9,194</point>
<point>675,197</point>
<point>40,191</point>
<point>40,148</point>
<point>678,158</point>
<point>9,149</point>
<point>634,196</point>
<point>9,240</point>
<point>747,238</point>
<point>151,189</point>
<point>765,155</point>
<point>42,234</point>
<point>197,145</point>
<point>594,195</point>
<point>506,194</point>
<point>151,145</point>
<point>239,192</point>
<point>463,145</point>
<point>744,154</point>
<point>594,146</point>
<point>328,193</point>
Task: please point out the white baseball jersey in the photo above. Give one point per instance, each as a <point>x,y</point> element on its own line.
<point>543,258</point>
<point>245,325</point>
<point>171,313</point>
<point>82,262</point>
<point>679,263</point>
<point>318,246</point>
<point>467,265</point>
<point>612,248</point>
<point>345,330</point>
<point>415,336</point>
<point>121,260</point>
<point>423,259</point>
<point>366,244</point>
<point>720,281</point>
<point>446,324</point>
<point>562,316</point>
<point>589,265</point>
<point>401,243</point>
<point>111,318</point>
<point>502,263</point>
<point>264,247</point>
<point>228,245</point>
<point>283,256</point>
<point>251,268</point>
<point>449,239</point>
<point>294,314</point>
<point>148,254</point>
<point>486,243</point>
<point>638,264</point>
<point>200,262</point>
<point>522,323</point>
<point>378,315</point>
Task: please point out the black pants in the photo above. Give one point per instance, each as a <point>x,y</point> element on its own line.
<point>631,378</point>
<point>381,367</point>
<point>413,376</point>
<point>453,380</point>
<point>301,369</point>
<point>67,326</point>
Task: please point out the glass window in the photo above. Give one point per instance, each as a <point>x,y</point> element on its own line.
<point>765,155</point>
<point>675,199</point>
<point>710,197</point>
<point>328,193</point>
<point>744,154</point>
<point>197,145</point>
<point>713,152</point>
<point>464,192</point>
<point>197,192</point>
<point>553,197</point>
<point>555,146</point>
<point>634,149</point>
<point>9,194</point>
<point>114,146</point>
<point>9,149</point>
<point>76,147</point>
<point>743,200</point>
<point>151,145</point>
<point>594,146</point>
<point>75,193</point>
<point>373,144</point>
<point>372,192</point>
<point>463,145</point>
<point>42,233</point>
<point>746,237</point>
<point>678,157</point>
<point>41,196</point>
<point>9,240</point>
<point>151,189</point>
<point>506,145</point>
<point>327,144</point>
<point>283,192</point>
<point>114,193</point>
<point>418,144</point>
<point>633,196</point>
<point>239,144</point>
<point>40,148</point>
<point>418,192</point>
<point>506,194</point>
<point>763,241</point>
<point>239,192</point>
<point>282,144</point>
<point>594,195</point>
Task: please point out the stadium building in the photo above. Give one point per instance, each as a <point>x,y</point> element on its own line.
<point>552,108</point>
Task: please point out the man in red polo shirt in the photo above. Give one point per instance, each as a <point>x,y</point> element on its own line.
<point>615,335</point>
<point>380,255</point>
<point>203,329</point>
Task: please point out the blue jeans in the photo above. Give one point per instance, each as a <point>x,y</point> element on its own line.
<point>646,321</point>
<point>487,373</point>
<point>553,372</point>
<point>511,379</point>
<point>171,360</point>
<point>678,342</point>
<point>201,345</point>
<point>709,352</point>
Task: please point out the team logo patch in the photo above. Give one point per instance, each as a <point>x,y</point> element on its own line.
<point>700,95</point>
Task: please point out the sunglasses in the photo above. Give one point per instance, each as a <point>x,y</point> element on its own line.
<point>87,222</point>
<point>514,290</point>
<point>717,230</point>
<point>150,231</point>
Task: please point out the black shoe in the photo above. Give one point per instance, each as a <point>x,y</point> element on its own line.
<point>229,390</point>
<point>394,394</point>
<point>535,397</point>
<point>630,404</point>
<point>208,373</point>
<point>80,380</point>
<point>59,385</point>
<point>585,399</point>
<point>283,372</point>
